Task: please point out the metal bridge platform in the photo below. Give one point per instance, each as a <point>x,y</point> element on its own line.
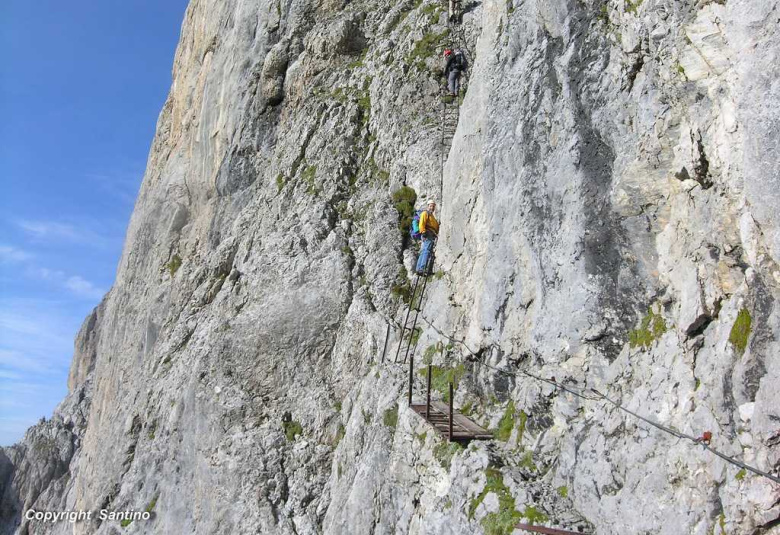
<point>463,429</point>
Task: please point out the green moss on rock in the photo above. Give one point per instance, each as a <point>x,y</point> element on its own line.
<point>740,331</point>
<point>426,47</point>
<point>441,377</point>
<point>652,328</point>
<point>292,429</point>
<point>431,351</point>
<point>152,504</point>
<point>308,177</point>
<point>390,416</point>
<point>445,451</point>
<point>511,419</point>
<point>174,265</point>
<point>404,200</point>
<point>503,521</point>
<point>527,461</point>
<point>534,515</point>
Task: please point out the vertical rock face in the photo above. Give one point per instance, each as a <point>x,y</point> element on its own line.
<point>608,219</point>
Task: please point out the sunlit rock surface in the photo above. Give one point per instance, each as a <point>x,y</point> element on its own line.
<point>608,219</point>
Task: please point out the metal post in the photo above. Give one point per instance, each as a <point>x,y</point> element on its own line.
<point>387,337</point>
<point>451,396</point>
<point>411,378</point>
<point>406,319</point>
<point>428,397</point>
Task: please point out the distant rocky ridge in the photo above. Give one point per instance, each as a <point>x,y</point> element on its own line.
<point>608,219</point>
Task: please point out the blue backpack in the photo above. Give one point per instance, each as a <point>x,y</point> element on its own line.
<point>414,232</point>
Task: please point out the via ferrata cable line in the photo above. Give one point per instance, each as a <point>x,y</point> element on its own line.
<point>591,394</point>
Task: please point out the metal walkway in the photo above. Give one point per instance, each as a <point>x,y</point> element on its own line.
<point>463,429</point>
<point>448,422</point>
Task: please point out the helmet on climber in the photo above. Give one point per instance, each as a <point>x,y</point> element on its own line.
<point>456,64</point>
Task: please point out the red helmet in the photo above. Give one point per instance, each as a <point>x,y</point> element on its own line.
<point>447,52</point>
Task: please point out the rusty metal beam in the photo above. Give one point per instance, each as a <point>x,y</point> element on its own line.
<point>451,401</point>
<point>387,337</point>
<point>428,398</point>
<point>547,531</point>
<point>411,378</point>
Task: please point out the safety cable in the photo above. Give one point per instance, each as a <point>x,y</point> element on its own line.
<point>580,392</point>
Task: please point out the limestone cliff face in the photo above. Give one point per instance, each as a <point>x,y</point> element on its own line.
<point>608,219</point>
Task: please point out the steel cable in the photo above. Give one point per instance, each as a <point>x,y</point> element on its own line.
<point>598,396</point>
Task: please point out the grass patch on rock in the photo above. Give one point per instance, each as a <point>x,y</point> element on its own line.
<point>740,331</point>
<point>431,351</point>
<point>441,378</point>
<point>503,521</point>
<point>152,504</point>
<point>308,178</point>
<point>292,429</point>
<point>527,461</point>
<point>534,515</point>
<point>404,200</point>
<point>173,265</point>
<point>402,291</point>
<point>511,419</point>
<point>426,47</point>
<point>445,451</point>
<point>650,329</point>
<point>390,416</point>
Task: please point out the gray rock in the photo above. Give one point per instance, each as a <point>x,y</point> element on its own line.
<point>606,162</point>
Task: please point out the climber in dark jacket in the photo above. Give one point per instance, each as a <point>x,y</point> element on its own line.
<point>456,64</point>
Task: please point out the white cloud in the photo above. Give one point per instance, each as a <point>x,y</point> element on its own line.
<point>104,234</point>
<point>83,287</point>
<point>9,254</point>
<point>51,275</point>
<point>51,229</point>
<point>77,285</point>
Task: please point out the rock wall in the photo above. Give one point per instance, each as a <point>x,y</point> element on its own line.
<point>607,215</point>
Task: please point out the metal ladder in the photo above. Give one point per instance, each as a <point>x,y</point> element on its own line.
<point>417,309</point>
<point>450,105</point>
<point>450,114</point>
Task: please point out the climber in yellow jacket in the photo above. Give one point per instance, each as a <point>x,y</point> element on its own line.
<point>429,231</point>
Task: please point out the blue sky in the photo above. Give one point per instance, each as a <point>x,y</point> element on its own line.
<point>81,86</point>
